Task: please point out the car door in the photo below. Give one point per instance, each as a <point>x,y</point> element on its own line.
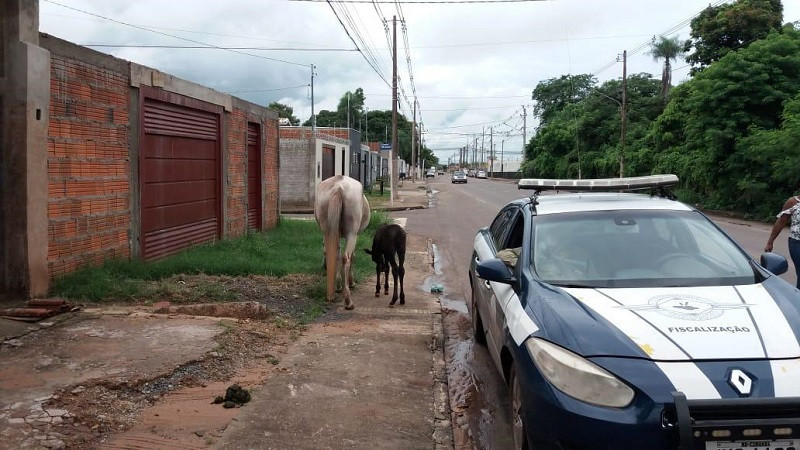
<point>492,296</point>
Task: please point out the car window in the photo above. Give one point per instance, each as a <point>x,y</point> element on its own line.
<point>499,227</point>
<point>636,249</point>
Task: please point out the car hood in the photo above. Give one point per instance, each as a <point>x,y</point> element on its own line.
<point>754,321</point>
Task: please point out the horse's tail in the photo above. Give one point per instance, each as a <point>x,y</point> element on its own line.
<point>334,219</point>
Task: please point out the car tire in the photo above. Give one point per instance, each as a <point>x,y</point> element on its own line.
<point>518,433</point>
<point>477,323</point>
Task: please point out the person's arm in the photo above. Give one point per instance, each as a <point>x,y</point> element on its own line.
<point>780,224</point>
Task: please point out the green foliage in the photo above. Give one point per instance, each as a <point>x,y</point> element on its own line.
<point>553,95</point>
<point>285,112</point>
<point>375,126</point>
<point>295,246</point>
<point>583,138</point>
<point>666,49</point>
<point>721,29</point>
<point>724,131</point>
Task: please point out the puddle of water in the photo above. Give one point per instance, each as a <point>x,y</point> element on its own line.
<point>455,305</point>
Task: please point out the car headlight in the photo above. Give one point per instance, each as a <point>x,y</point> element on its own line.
<point>578,377</point>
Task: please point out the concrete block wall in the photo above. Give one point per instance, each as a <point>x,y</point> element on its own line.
<point>297,162</point>
<point>88,165</point>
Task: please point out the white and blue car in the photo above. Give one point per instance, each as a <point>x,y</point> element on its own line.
<point>626,320</point>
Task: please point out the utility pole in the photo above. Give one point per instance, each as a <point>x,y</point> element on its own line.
<point>491,152</point>
<point>348,110</point>
<point>502,144</point>
<point>414,143</point>
<point>393,162</point>
<point>524,128</point>
<point>483,141</point>
<point>623,113</point>
<point>313,116</point>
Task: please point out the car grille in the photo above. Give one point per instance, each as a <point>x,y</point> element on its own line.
<point>700,421</point>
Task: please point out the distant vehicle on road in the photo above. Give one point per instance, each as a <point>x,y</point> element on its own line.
<point>471,172</point>
<point>430,173</point>
<point>481,174</point>
<point>441,171</point>
<point>458,177</point>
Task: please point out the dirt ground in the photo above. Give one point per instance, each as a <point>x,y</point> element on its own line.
<point>123,376</point>
<point>80,379</point>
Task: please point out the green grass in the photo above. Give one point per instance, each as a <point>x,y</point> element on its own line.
<point>294,246</point>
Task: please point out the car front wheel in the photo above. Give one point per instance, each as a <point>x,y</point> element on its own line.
<point>517,422</point>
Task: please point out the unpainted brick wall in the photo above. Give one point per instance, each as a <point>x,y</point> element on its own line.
<point>88,165</point>
<point>297,156</point>
<point>236,214</point>
<point>270,162</point>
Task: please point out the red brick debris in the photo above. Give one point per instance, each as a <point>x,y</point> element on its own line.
<point>37,309</point>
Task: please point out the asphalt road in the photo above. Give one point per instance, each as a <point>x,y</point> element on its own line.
<point>459,210</point>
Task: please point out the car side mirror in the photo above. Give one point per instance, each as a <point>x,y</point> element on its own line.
<point>495,270</point>
<point>774,262</point>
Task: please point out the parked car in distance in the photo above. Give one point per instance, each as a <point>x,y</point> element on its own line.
<point>625,320</point>
<point>441,171</point>
<point>430,173</point>
<point>481,174</point>
<point>471,172</point>
<point>458,177</point>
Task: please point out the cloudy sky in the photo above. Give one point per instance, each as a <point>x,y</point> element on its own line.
<point>474,65</point>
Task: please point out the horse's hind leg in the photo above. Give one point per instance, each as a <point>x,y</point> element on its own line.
<point>401,256</point>
<point>347,275</point>
<point>378,283</point>
<point>386,276</point>
<point>394,278</point>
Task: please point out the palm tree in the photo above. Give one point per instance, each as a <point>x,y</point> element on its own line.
<point>669,49</point>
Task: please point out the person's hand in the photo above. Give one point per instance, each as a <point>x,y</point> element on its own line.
<point>768,247</point>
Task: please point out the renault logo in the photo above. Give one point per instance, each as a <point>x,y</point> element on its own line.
<point>740,382</point>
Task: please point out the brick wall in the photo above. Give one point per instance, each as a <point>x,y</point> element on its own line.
<point>88,165</point>
<point>271,163</point>
<point>236,201</point>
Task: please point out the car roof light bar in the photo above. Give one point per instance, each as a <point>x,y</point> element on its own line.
<point>600,184</point>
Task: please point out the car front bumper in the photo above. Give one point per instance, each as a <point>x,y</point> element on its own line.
<point>555,420</point>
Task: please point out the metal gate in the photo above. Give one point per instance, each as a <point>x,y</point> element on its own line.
<point>253,176</point>
<point>179,172</point>
<point>328,162</point>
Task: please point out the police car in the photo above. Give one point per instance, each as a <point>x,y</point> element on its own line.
<point>625,320</point>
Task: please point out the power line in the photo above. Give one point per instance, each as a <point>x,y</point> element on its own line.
<point>270,90</point>
<point>205,47</point>
<point>363,54</point>
<point>172,35</point>
<point>424,2</point>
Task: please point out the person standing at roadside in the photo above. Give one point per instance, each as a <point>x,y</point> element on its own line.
<point>790,214</point>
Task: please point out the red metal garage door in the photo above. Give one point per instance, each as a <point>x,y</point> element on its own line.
<point>253,176</point>
<point>179,172</point>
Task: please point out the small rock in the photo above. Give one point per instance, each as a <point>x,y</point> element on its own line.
<point>78,389</point>
<point>200,433</point>
<point>218,400</point>
<point>56,444</point>
<point>16,421</point>
<point>229,405</point>
<point>43,399</point>
<point>56,412</point>
<point>56,420</point>
<point>46,419</point>
<point>46,324</point>
<point>13,342</point>
<point>213,354</point>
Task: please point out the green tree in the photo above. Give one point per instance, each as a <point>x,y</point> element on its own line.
<point>724,28</point>
<point>743,94</point>
<point>666,49</point>
<point>285,112</point>
<point>553,95</point>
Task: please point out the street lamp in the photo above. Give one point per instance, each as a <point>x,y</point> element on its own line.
<point>621,132</point>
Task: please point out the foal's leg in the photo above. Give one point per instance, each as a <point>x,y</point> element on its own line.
<point>378,274</point>
<point>385,274</point>
<point>401,256</point>
<point>394,277</point>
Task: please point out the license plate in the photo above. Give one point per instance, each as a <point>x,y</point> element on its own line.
<point>755,444</point>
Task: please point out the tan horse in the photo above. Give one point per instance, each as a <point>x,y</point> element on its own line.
<point>342,211</point>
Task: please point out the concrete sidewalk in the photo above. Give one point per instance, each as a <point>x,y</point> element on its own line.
<point>369,378</point>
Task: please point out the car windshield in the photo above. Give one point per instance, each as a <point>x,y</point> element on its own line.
<point>458,174</point>
<point>636,249</point>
